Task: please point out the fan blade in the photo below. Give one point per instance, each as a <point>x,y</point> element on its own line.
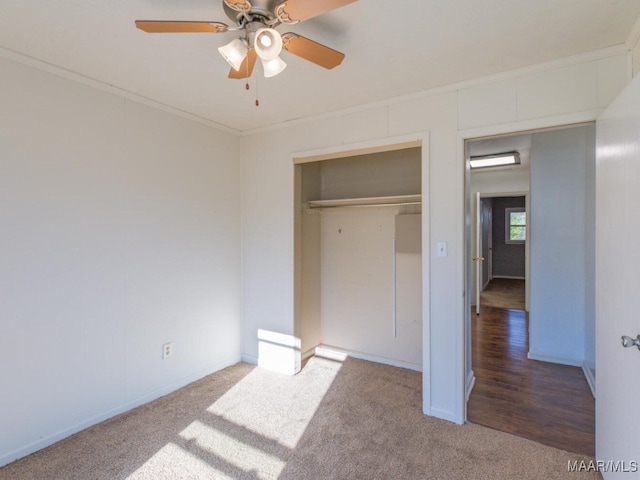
<point>162,26</point>
<point>293,11</point>
<point>239,5</point>
<point>313,51</point>
<point>247,66</point>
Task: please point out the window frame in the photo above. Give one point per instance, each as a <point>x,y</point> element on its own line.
<point>507,225</point>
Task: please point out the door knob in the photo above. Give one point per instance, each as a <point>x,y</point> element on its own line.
<point>475,259</point>
<point>628,342</point>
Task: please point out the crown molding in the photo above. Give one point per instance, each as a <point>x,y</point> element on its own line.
<point>634,35</point>
<point>453,87</point>
<point>105,87</point>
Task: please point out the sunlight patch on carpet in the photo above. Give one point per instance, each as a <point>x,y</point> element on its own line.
<point>252,429</point>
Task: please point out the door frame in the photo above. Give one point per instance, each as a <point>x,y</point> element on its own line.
<point>489,246</point>
<point>465,377</point>
<point>527,261</point>
<point>385,144</point>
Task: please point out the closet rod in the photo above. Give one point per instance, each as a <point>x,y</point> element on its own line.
<point>386,201</point>
<point>360,205</point>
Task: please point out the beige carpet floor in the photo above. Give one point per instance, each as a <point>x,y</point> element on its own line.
<point>504,293</point>
<point>334,420</point>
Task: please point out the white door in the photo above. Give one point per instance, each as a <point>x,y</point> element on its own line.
<point>478,251</point>
<point>486,220</point>
<point>617,285</point>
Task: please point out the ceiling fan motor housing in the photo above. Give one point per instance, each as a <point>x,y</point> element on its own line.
<point>259,9</point>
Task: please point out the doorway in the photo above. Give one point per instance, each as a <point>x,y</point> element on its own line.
<point>500,264</point>
<point>524,381</point>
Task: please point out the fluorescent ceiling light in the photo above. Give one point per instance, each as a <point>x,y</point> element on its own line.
<point>496,160</point>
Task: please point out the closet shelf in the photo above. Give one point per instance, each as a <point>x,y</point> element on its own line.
<point>367,201</point>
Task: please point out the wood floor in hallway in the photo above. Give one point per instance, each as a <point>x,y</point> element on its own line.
<point>541,401</point>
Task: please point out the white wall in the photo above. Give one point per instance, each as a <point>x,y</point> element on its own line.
<point>357,286</point>
<point>552,94</point>
<point>120,232</point>
<point>309,317</point>
<point>633,42</point>
<point>500,182</point>
<point>557,317</point>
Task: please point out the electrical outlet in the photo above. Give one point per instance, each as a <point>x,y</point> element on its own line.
<point>167,350</point>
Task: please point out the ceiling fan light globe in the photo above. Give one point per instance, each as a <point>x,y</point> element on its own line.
<point>234,52</point>
<point>273,67</point>
<point>265,40</point>
<point>268,43</point>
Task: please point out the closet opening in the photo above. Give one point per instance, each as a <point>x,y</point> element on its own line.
<point>358,254</point>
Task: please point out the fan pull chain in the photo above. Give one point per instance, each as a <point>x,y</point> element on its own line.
<point>246,85</point>
<point>257,101</point>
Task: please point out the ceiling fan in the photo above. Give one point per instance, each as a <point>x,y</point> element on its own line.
<point>257,21</point>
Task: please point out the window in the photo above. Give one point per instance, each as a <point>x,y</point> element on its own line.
<point>515,225</point>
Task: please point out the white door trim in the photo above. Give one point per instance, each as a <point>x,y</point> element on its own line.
<point>462,332</point>
<point>385,144</point>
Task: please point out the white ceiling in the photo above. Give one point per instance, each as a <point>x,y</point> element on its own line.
<point>392,49</point>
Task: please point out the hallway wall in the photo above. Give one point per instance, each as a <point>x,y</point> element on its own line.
<point>560,161</point>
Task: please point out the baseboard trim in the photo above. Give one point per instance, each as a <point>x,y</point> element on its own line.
<point>471,382</point>
<point>445,415</point>
<point>309,353</point>
<point>509,277</point>
<point>130,405</point>
<point>573,362</point>
<point>339,354</point>
<point>590,376</point>
<point>250,359</point>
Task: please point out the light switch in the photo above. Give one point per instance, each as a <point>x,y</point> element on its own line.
<point>442,249</point>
